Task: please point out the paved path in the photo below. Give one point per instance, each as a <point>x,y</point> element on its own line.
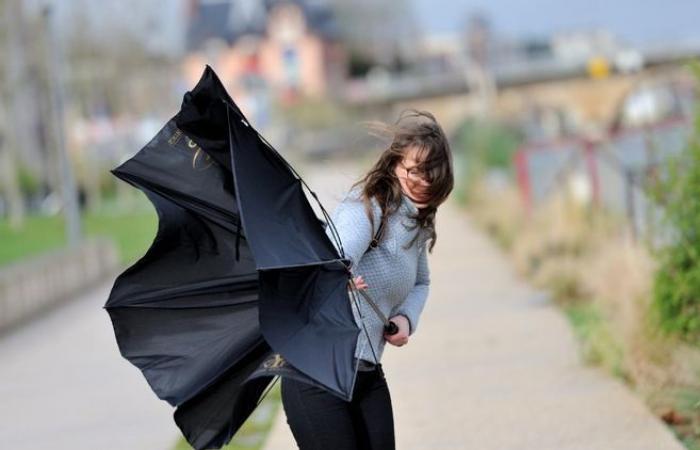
<point>64,386</point>
<point>494,365</point>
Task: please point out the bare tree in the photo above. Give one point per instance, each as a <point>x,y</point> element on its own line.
<point>11,135</point>
<point>113,77</point>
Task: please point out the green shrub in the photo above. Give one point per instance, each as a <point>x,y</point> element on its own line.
<point>676,290</point>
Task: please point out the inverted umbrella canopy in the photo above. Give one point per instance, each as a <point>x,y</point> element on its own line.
<point>241,282</point>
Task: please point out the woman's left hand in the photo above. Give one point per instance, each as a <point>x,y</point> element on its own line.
<point>400,338</point>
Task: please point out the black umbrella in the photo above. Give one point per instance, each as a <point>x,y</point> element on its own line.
<point>241,282</point>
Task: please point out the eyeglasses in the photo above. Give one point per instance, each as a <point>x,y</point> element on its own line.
<point>415,175</point>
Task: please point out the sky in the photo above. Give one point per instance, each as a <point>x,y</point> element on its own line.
<point>636,21</point>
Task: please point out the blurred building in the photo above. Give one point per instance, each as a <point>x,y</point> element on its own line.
<point>581,44</point>
<point>289,49</point>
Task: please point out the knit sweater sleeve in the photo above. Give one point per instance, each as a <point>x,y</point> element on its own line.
<point>354,227</point>
<point>413,305</point>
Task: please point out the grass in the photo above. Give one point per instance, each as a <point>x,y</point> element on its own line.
<point>598,346</point>
<point>38,234</point>
<point>253,434</point>
<point>132,230</point>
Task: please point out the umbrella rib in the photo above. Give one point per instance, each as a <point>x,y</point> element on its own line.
<point>316,263</point>
<point>195,289</point>
<point>188,307</point>
<point>369,340</point>
<point>238,238</point>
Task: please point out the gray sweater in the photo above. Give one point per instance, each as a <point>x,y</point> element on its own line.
<point>398,279</point>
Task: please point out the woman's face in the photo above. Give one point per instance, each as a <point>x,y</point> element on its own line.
<point>413,182</point>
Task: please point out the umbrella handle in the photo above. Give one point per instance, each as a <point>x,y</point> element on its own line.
<point>391,328</point>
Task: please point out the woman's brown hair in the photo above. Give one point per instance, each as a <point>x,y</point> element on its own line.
<point>419,129</point>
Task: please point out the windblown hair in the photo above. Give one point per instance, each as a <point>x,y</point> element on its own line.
<point>421,130</point>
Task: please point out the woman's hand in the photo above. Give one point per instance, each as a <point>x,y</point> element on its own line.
<point>400,338</point>
<point>359,282</point>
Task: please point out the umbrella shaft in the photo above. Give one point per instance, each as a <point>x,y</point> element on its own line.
<point>374,306</point>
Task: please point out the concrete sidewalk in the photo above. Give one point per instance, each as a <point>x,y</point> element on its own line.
<point>495,366</point>
<point>65,386</point>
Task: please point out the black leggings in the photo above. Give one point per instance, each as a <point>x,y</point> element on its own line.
<point>320,421</point>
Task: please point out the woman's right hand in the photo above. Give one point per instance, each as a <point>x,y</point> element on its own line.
<point>359,282</point>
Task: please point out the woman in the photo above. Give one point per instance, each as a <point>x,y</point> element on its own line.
<point>398,196</point>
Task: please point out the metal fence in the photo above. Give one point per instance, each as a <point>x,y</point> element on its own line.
<point>611,172</point>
